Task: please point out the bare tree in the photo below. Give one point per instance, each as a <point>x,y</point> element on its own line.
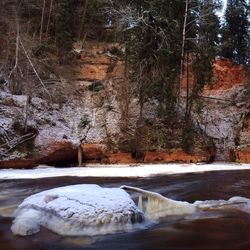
<point>84,10</point>
<point>34,69</point>
<point>183,45</point>
<point>42,20</point>
<point>17,45</point>
<point>49,17</point>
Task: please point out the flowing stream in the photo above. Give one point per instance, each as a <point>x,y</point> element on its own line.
<point>222,229</point>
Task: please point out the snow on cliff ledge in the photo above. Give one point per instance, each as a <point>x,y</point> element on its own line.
<point>77,210</point>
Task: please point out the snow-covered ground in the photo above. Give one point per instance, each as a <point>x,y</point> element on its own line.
<point>119,170</point>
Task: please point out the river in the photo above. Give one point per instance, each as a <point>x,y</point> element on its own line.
<point>218,230</point>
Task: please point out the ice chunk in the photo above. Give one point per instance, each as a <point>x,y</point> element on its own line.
<point>28,223</point>
<point>156,206</point>
<point>77,210</point>
<point>234,203</point>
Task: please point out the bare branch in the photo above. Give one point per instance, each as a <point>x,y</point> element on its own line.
<point>34,69</point>
<point>17,45</point>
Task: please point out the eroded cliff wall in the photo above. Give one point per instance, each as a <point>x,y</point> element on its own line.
<point>100,114</point>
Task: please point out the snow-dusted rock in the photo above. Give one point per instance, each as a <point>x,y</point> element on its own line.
<point>77,210</point>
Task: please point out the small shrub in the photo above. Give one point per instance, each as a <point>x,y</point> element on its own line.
<point>84,122</point>
<point>96,86</point>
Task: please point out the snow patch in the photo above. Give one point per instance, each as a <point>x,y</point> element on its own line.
<point>119,170</point>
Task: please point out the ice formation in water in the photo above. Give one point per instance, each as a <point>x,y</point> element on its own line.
<point>77,210</point>
<point>155,206</point>
<point>92,210</point>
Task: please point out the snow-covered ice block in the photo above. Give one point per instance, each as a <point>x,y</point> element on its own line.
<point>77,210</point>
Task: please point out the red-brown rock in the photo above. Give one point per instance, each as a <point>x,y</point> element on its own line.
<point>227,74</point>
<point>94,72</point>
<point>95,59</point>
<point>242,155</point>
<point>93,151</point>
<point>175,156</point>
<point>19,164</point>
<point>58,154</point>
<point>118,158</point>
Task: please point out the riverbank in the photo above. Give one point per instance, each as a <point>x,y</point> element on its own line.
<point>132,171</point>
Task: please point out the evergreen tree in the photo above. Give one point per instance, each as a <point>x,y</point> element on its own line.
<point>235,33</point>
<point>64,29</point>
<point>200,48</point>
<point>154,51</point>
<point>209,25</point>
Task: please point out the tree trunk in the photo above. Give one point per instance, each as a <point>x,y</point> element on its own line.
<point>84,10</point>
<point>183,46</point>
<point>17,45</point>
<point>187,89</point>
<point>42,19</point>
<point>48,23</point>
<point>80,156</point>
<point>26,111</point>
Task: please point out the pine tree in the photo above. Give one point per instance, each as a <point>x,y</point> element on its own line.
<point>154,52</point>
<point>235,33</point>
<point>209,25</point>
<point>64,29</point>
<point>201,41</point>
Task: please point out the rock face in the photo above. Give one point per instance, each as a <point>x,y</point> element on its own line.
<point>176,156</point>
<point>18,163</point>
<point>77,210</point>
<point>100,113</point>
<point>223,107</point>
<point>58,154</point>
<point>227,75</point>
<point>242,155</point>
<point>242,151</point>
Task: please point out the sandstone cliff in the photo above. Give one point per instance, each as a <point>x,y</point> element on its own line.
<point>100,113</point>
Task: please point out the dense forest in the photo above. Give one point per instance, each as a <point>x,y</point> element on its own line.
<point>161,42</point>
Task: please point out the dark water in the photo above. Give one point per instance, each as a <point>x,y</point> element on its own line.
<point>225,230</point>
